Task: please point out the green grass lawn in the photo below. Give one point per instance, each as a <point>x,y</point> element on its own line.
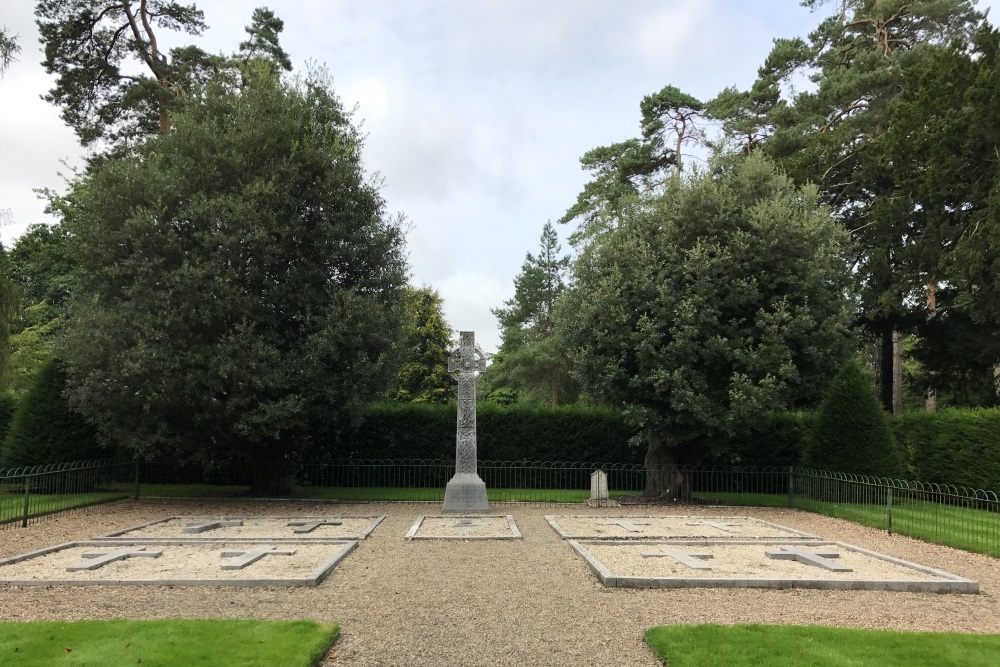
<point>12,505</point>
<point>798,646</point>
<point>185,643</point>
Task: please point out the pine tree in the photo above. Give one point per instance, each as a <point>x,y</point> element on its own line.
<point>423,377</point>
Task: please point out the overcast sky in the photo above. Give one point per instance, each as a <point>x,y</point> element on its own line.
<point>477,111</point>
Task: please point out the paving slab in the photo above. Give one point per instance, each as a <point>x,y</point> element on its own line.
<point>280,529</point>
<point>176,563</point>
<point>458,527</point>
<point>752,564</point>
<point>681,527</point>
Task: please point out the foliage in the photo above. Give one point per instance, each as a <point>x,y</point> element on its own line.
<point>238,281</point>
<point>519,432</point>
<point>952,446</point>
<point>32,349</point>
<point>852,433</point>
<point>720,302</point>
<point>532,360</point>
<point>174,641</point>
<point>423,376</point>
<point>10,305</point>
<point>8,406</point>
<point>813,646</point>
<point>45,429</point>
<point>9,48</point>
<point>116,81</point>
<point>42,265</point>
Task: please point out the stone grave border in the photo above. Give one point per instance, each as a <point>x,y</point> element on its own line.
<point>515,532</point>
<point>120,535</point>
<point>795,536</point>
<point>314,579</point>
<point>953,583</point>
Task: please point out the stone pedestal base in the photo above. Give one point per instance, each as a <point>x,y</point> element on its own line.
<point>466,492</point>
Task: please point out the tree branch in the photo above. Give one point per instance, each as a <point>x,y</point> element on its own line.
<point>138,37</point>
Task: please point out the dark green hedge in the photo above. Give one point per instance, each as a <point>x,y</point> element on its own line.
<point>45,429</point>
<point>8,405</point>
<point>953,446</point>
<point>505,433</point>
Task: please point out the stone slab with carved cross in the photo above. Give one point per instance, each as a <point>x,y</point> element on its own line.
<point>264,529</point>
<point>758,564</point>
<point>471,527</point>
<point>182,562</point>
<point>466,491</point>
<point>651,526</point>
<point>204,526</point>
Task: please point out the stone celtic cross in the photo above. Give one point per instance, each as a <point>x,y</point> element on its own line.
<point>466,492</point>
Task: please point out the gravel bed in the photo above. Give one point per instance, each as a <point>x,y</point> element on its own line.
<point>519,602</point>
<point>253,528</point>
<point>181,561</point>
<point>673,527</point>
<point>464,526</point>
<point>744,561</point>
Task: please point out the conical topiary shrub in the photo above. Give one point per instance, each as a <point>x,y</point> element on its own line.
<point>852,433</point>
<point>45,429</point>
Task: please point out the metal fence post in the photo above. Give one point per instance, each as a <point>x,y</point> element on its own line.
<point>135,495</point>
<point>791,486</point>
<point>888,504</point>
<point>27,495</point>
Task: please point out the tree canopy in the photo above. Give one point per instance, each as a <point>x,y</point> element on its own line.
<point>238,280</point>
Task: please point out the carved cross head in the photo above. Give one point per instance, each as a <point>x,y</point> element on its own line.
<point>468,358</point>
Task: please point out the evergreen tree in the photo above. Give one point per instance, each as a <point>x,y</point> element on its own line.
<point>423,377</point>
<point>10,303</point>
<point>532,360</point>
<point>9,48</point>
<point>237,282</point>
<point>852,433</point>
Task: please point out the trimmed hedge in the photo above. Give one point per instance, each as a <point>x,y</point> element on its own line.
<point>505,433</point>
<point>45,429</point>
<point>8,405</point>
<point>852,433</point>
<point>953,446</point>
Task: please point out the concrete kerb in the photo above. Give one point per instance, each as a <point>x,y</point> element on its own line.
<point>515,533</point>
<point>951,583</point>
<point>315,578</point>
<point>122,535</point>
<point>795,533</point>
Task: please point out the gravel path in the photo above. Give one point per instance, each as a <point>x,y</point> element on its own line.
<point>520,602</point>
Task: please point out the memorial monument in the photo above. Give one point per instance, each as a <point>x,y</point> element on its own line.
<point>466,492</point>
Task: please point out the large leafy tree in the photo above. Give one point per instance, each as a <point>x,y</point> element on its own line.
<point>710,305</point>
<point>10,298</point>
<point>532,360</point>
<point>238,281</point>
<point>116,80</point>
<point>423,377</point>
<point>859,60</point>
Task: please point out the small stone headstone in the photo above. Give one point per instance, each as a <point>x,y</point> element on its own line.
<point>598,489</point>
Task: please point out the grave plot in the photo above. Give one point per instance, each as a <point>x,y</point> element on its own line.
<point>472,527</point>
<point>580,527</point>
<point>176,563</point>
<point>252,528</point>
<point>769,564</point>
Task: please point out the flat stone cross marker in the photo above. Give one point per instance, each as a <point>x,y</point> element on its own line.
<point>690,558</point>
<point>817,558</point>
<point>240,559</point>
<point>211,525</point>
<point>725,527</point>
<point>310,526</point>
<point>630,526</point>
<point>466,525</point>
<point>94,560</point>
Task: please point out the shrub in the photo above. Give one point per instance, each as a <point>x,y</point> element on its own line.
<point>45,429</point>
<point>8,404</point>
<point>953,446</point>
<point>852,432</point>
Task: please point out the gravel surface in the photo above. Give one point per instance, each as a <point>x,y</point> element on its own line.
<point>465,526</point>
<point>518,602</point>
<point>255,528</point>
<point>673,527</point>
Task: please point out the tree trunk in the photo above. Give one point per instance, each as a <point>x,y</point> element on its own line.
<point>269,474</point>
<point>884,354</point>
<point>996,381</point>
<point>897,372</point>
<point>930,396</point>
<point>665,477</point>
